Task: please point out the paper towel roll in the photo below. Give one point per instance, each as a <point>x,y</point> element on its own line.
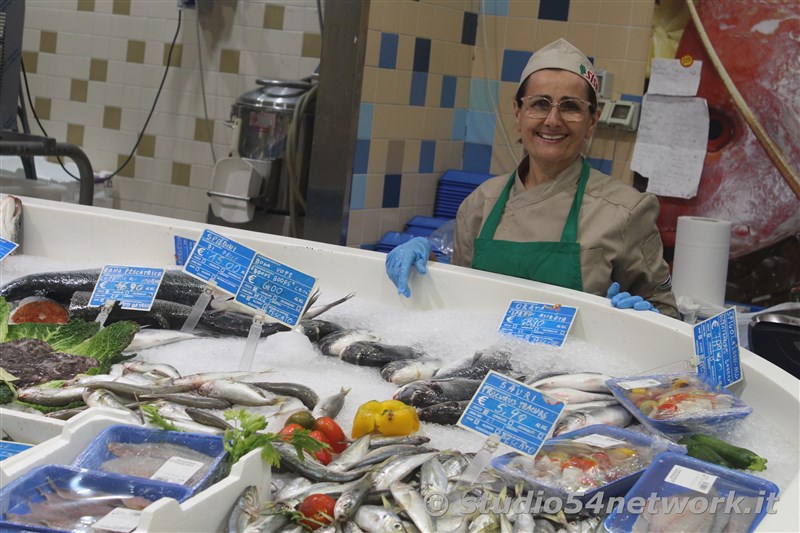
<point>700,265</point>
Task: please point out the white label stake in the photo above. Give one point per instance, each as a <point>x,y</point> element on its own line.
<point>252,342</point>
<point>198,308</point>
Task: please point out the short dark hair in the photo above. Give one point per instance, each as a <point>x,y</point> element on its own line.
<point>592,96</point>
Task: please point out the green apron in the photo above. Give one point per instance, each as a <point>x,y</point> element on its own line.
<point>556,263</point>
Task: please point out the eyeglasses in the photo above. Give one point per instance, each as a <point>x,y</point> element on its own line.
<point>571,109</point>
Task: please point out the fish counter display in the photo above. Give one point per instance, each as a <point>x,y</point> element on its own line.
<point>365,365</point>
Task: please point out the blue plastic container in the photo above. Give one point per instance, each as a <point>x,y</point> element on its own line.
<point>727,407</point>
<point>709,495</point>
<point>596,439</point>
<point>97,452</point>
<point>26,494</point>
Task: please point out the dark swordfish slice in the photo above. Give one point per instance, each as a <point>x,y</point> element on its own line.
<point>59,286</point>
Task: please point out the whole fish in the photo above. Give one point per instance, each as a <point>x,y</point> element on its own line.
<point>370,353</point>
<point>237,392</point>
<point>412,503</point>
<point>11,218</point>
<point>585,381</point>
<point>245,511</point>
<point>147,338</point>
<point>386,440</point>
<point>334,343</point>
<point>311,468</point>
<point>352,498</point>
<point>301,392</point>
<point>51,397</point>
<point>193,381</point>
<point>447,413</point>
<point>331,405</point>
<point>477,366</point>
<point>375,519</point>
<point>432,391</point>
<point>206,418</point>
<point>352,455</point>
<point>162,369</point>
<point>588,406</point>
<point>405,371</point>
<point>379,455</point>
<point>615,415</point>
<point>397,469</point>
<point>316,329</point>
<point>432,478</point>
<point>190,399</point>
<point>176,286</point>
<point>575,396</point>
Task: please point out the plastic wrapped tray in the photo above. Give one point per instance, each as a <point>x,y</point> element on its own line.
<point>613,459</point>
<point>713,498</point>
<point>28,494</point>
<point>677,403</point>
<point>135,457</point>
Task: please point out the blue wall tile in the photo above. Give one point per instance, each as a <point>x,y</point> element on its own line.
<point>448,98</point>
<point>495,7</point>
<point>605,166</point>
<point>459,125</point>
<point>427,155</point>
<point>469,28</point>
<point>391,190</point>
<point>514,62</point>
<point>480,127</point>
<point>361,159</point>
<point>358,191</point>
<point>553,10</point>
<point>422,55</point>
<point>419,86</point>
<point>388,53</point>
<point>365,121</point>
<point>480,91</point>
<point>477,157</point>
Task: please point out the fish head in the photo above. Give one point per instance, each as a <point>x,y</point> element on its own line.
<point>343,508</point>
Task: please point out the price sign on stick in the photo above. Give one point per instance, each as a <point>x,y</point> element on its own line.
<point>276,289</point>
<point>538,323</point>
<point>133,287</point>
<point>716,345</point>
<point>520,416</point>
<point>220,259</point>
<point>6,247</point>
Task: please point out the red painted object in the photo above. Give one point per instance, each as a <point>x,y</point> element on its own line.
<point>757,43</point>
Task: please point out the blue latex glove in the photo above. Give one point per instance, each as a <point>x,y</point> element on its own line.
<point>398,262</point>
<point>624,300</point>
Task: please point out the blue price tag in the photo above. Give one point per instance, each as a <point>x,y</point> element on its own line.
<point>220,259</point>
<point>520,416</point>
<point>183,247</point>
<point>716,344</point>
<point>280,291</point>
<point>6,247</point>
<point>133,287</point>
<point>9,449</point>
<point>537,322</point>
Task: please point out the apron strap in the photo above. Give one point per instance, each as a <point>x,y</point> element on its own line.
<point>490,226</point>
<point>570,232</point>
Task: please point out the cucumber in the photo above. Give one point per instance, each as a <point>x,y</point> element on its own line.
<point>705,453</point>
<point>738,457</point>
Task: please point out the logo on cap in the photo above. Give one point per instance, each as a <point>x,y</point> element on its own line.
<point>589,76</point>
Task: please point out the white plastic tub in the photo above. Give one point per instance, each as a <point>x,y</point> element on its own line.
<point>73,232</point>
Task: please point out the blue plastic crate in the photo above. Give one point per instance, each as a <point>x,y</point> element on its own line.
<point>595,439</point>
<point>673,478</point>
<point>681,423</point>
<point>97,452</point>
<point>460,177</point>
<point>26,494</point>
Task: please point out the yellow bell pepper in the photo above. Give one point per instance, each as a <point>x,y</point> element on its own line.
<point>391,417</point>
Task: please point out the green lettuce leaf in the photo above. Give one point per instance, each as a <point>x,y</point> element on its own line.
<point>5,313</point>
<point>60,337</point>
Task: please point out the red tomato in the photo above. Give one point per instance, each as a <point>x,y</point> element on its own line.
<point>583,463</point>
<point>323,456</point>
<point>602,459</point>
<point>317,511</point>
<point>288,429</point>
<point>333,432</point>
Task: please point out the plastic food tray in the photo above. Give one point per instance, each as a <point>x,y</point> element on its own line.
<point>683,424</point>
<point>34,487</point>
<point>672,476</point>
<point>593,435</point>
<point>97,452</point>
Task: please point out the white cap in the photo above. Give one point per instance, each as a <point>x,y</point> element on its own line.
<point>562,55</point>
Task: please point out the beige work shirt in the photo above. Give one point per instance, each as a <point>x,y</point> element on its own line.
<point>616,229</point>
